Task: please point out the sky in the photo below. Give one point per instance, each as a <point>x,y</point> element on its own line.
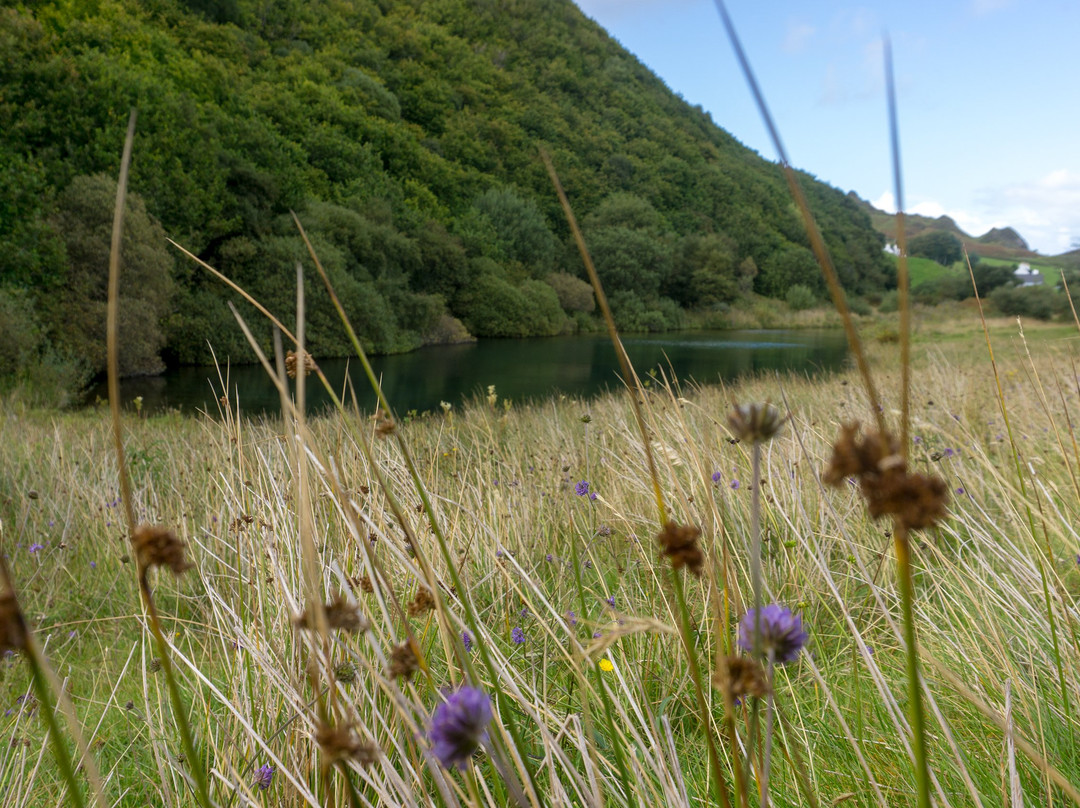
<point>988,96</point>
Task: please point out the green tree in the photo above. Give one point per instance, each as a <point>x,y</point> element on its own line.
<point>85,218</point>
<point>937,245</point>
<point>786,267</point>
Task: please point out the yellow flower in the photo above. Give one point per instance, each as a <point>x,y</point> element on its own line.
<point>606,666</point>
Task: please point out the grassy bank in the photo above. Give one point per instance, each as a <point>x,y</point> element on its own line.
<point>573,608</point>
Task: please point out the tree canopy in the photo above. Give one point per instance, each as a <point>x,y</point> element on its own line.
<point>405,135</point>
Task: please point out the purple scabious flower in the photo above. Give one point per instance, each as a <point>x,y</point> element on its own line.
<point>610,601</point>
<point>264,775</point>
<point>517,635</point>
<point>735,484</point>
<point>35,547</point>
<point>782,632</point>
<point>571,616</point>
<point>549,558</point>
<point>716,476</point>
<point>459,726</point>
<point>582,488</point>
<point>466,640</point>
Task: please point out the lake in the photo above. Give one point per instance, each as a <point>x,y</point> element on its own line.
<point>520,369</point>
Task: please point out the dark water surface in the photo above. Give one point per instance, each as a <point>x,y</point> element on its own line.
<point>519,369</point>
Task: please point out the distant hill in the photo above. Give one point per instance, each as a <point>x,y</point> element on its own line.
<point>1004,243</point>
<point>406,136</point>
<point>1005,237</point>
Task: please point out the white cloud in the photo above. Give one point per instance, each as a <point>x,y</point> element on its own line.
<point>1045,211</point>
<point>797,36</point>
<point>885,202</point>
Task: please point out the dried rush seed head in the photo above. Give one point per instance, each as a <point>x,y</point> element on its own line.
<point>342,743</point>
<point>422,603</point>
<point>340,615</point>
<point>459,726</point>
<point>12,624</point>
<point>403,661</point>
<point>159,547</point>
<point>741,677</point>
<point>680,544</point>
<point>291,364</point>
<point>917,500</point>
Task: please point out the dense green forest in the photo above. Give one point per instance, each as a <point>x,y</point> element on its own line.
<point>405,135</point>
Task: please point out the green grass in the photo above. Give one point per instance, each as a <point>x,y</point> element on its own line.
<point>921,270</point>
<point>502,478</point>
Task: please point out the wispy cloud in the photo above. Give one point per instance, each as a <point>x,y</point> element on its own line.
<point>981,7</point>
<point>797,36</point>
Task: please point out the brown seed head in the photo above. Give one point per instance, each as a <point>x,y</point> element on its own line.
<point>741,677</point>
<point>917,500</point>
<point>12,624</point>
<point>403,661</point>
<point>342,743</point>
<point>423,603</point>
<point>680,544</point>
<point>756,422</point>
<point>855,455</point>
<point>340,615</point>
<point>363,583</point>
<point>384,424</point>
<point>291,363</point>
<point>159,547</point>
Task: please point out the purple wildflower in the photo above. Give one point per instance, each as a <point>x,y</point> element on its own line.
<point>735,484</point>
<point>592,496</point>
<point>35,547</point>
<point>571,617</point>
<point>459,726</point>
<point>93,565</point>
<point>716,476</point>
<point>597,635</point>
<point>517,635</point>
<point>549,558</point>
<point>949,452</point>
<point>610,601</point>
<point>466,640</point>
<point>582,488</point>
<point>264,775</point>
<point>782,632</point>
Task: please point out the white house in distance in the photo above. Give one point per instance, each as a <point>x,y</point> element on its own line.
<point>1026,276</point>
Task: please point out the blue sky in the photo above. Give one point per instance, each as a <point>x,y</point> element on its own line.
<point>988,96</point>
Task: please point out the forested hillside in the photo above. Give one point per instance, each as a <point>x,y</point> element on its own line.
<point>406,136</point>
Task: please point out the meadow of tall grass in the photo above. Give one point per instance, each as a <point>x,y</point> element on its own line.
<point>678,596</point>
<point>562,587</point>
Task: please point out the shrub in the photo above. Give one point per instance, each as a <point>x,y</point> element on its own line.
<point>1040,302</point>
<point>574,294</point>
<point>890,302</point>
<point>800,297</point>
